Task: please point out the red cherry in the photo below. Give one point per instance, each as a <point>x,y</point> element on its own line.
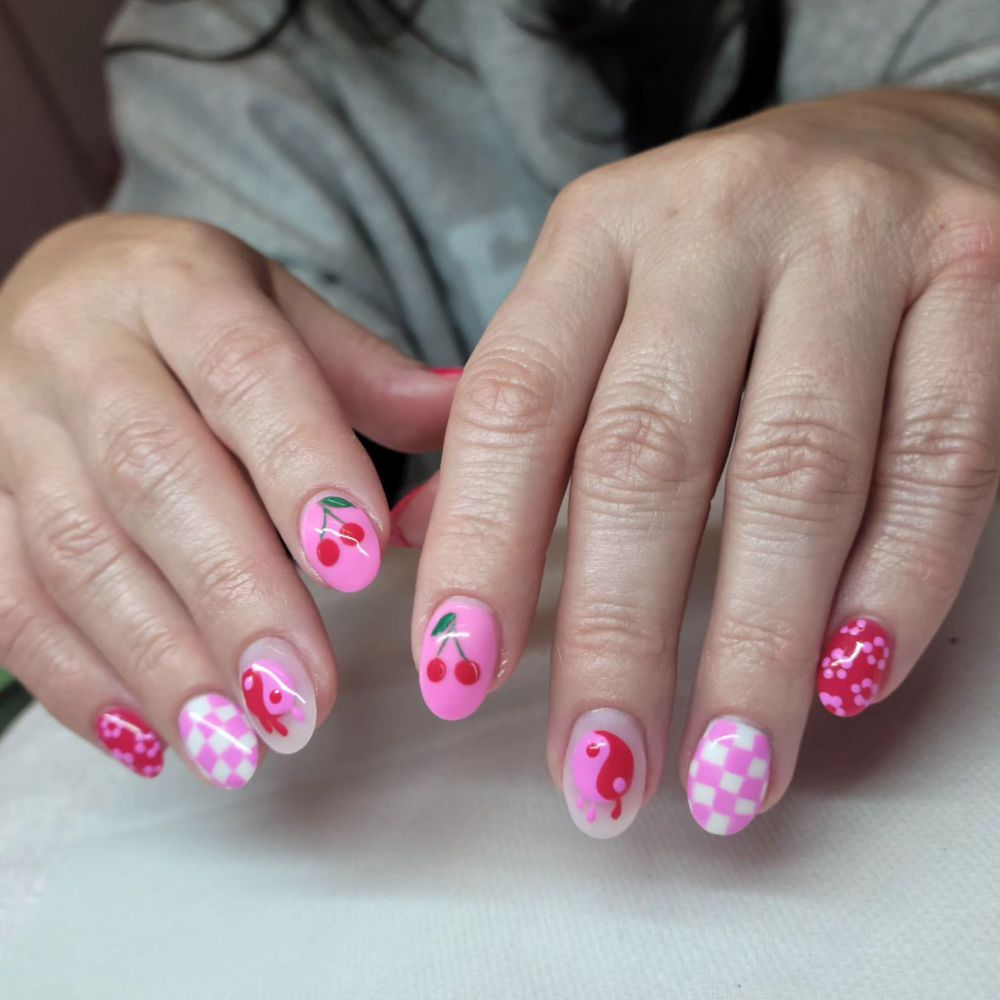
<point>466,672</point>
<point>593,749</point>
<point>328,551</point>
<point>352,534</point>
<point>436,670</point>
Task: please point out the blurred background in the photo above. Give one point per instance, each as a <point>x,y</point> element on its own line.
<point>57,159</point>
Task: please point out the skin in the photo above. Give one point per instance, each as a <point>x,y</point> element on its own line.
<point>815,289</point>
<point>838,261</point>
<point>168,398</point>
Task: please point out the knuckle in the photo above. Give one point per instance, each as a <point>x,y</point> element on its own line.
<point>965,242</point>
<point>155,646</point>
<point>180,246</point>
<point>755,636</point>
<point>20,619</point>
<point>630,448</point>
<point>505,397</point>
<point>726,169</point>
<point>945,455</point>
<point>224,579</point>
<point>604,629</point>
<point>801,466</point>
<point>142,454</point>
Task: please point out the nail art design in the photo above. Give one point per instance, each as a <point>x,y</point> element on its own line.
<point>854,667</point>
<point>218,738</point>
<point>604,774</point>
<point>727,780</point>
<point>279,697</point>
<point>340,543</point>
<point>130,739</point>
<point>458,658</point>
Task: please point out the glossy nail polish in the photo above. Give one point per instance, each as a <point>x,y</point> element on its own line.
<point>130,739</point>
<point>604,774</point>
<point>728,776</point>
<point>458,657</point>
<point>455,373</point>
<point>278,695</point>
<point>340,542</point>
<point>854,667</point>
<point>219,740</point>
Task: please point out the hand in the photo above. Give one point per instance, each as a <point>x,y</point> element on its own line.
<point>848,251</point>
<point>168,398</point>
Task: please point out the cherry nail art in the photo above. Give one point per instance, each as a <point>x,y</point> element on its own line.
<point>604,774</point>
<point>458,658</point>
<point>340,542</point>
<point>131,740</point>
<point>854,667</point>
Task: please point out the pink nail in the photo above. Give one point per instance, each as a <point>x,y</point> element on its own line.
<point>458,657</point>
<point>278,694</point>
<point>340,542</point>
<point>455,373</point>
<point>604,774</point>
<point>131,740</point>
<point>727,780</point>
<point>219,740</point>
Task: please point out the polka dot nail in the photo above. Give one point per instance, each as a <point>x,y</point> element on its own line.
<point>854,667</point>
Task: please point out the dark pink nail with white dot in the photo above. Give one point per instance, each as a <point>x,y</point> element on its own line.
<point>854,667</point>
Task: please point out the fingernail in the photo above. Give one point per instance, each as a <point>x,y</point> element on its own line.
<point>604,774</point>
<point>727,780</point>
<point>397,526</point>
<point>219,740</point>
<point>340,542</point>
<point>458,657</point>
<point>854,667</point>
<point>277,692</point>
<point>130,739</point>
<point>448,372</point>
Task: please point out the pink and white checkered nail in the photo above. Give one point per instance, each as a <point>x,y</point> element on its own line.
<point>727,780</point>
<point>219,739</point>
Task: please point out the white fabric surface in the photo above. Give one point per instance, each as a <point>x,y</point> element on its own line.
<point>398,856</point>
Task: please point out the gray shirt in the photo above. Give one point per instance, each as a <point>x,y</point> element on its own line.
<point>408,189</point>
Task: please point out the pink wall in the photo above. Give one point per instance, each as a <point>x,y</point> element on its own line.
<point>56,158</point>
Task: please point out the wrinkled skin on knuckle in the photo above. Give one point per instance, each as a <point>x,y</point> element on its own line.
<point>607,631</point>
<point>752,633</point>
<point>225,580</point>
<point>963,239</point>
<point>796,461</point>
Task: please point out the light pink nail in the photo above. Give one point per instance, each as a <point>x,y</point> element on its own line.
<point>604,773</point>
<point>278,694</point>
<point>340,542</point>
<point>728,776</point>
<point>458,657</point>
<point>219,740</point>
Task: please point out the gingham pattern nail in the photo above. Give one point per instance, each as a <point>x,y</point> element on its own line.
<point>727,780</point>
<point>218,738</point>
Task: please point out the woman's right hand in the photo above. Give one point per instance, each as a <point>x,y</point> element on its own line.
<point>167,398</point>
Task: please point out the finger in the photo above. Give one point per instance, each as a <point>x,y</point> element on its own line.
<point>517,412</point>
<point>645,470</point>
<point>411,514</point>
<point>934,486</point>
<point>796,490</point>
<point>61,668</point>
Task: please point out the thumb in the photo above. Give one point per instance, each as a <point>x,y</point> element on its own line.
<point>386,396</point>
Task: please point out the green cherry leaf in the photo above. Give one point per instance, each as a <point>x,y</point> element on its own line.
<point>335,502</point>
<point>444,623</point>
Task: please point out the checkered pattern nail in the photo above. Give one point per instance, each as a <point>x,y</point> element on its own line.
<point>218,738</point>
<point>727,780</point>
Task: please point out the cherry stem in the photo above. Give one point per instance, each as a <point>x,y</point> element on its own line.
<point>461,652</point>
<point>322,527</point>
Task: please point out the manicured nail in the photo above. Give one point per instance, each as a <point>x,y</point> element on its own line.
<point>397,521</point>
<point>458,657</point>
<point>278,694</point>
<point>130,739</point>
<point>854,667</point>
<point>604,775</point>
<point>448,372</point>
<point>218,738</point>
<point>340,542</point>
<point>727,780</point>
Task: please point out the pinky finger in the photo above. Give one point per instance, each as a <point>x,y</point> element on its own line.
<point>61,668</point>
<point>933,488</point>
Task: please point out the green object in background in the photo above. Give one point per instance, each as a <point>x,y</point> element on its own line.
<point>13,698</point>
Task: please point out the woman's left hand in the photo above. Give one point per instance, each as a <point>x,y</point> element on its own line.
<point>848,252</point>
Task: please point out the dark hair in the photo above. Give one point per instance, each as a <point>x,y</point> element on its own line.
<point>653,56</point>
